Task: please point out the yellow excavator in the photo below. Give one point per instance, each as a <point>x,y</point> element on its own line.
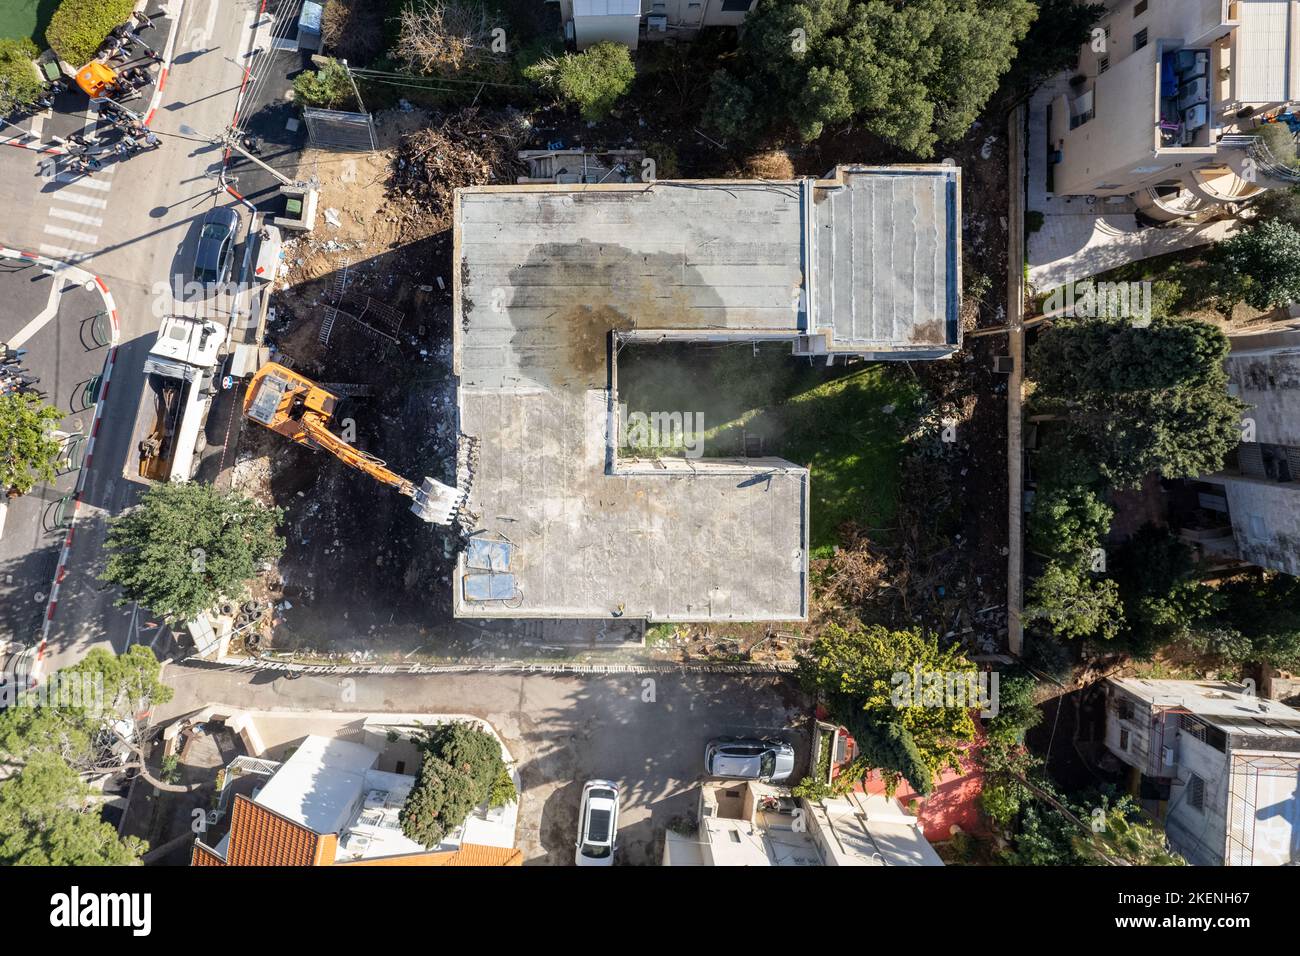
<point>301,410</point>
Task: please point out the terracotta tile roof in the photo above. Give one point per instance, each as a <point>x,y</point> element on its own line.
<point>469,854</point>
<point>259,837</point>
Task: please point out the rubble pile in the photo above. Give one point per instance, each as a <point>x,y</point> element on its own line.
<point>469,149</point>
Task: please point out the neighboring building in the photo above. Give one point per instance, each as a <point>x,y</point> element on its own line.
<point>626,21</point>
<point>551,280</point>
<point>753,824</point>
<point>1153,111</point>
<point>1222,766</point>
<point>1251,510</point>
<point>329,803</point>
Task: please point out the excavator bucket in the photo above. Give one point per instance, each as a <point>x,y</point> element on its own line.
<point>435,502</point>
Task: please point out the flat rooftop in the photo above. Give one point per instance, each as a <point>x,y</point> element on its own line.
<point>548,280</point>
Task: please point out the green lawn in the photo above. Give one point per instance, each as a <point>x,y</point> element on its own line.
<point>26,18</point>
<point>834,421</point>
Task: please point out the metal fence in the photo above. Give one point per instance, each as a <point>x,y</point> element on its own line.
<point>334,129</point>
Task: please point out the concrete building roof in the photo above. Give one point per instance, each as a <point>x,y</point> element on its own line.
<point>549,279</point>
<point>1227,706</point>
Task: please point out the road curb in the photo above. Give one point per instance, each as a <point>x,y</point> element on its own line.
<point>61,570</point>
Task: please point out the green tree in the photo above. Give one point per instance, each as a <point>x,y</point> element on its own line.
<point>79,27</point>
<point>1261,264</point>
<point>593,80</point>
<point>462,769</point>
<point>48,818</point>
<point>1162,598</point>
<point>915,74</point>
<point>28,451</point>
<point>1067,521</point>
<point>1138,400</point>
<point>19,84</point>
<point>1017,710</point>
<point>328,87</point>
<point>865,676</point>
<point>1071,602</point>
<point>1052,45</point>
<point>1256,619</point>
<point>439,802</point>
<point>186,546</point>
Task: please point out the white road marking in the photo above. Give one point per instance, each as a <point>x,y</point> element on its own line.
<point>85,182</point>
<point>58,252</point>
<point>71,216</point>
<point>42,319</point>
<point>71,234</point>
<point>64,196</point>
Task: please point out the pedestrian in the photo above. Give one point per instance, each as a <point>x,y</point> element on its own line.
<point>151,139</point>
<point>121,149</point>
<point>143,20</point>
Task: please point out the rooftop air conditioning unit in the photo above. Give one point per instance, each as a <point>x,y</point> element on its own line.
<point>657,22</point>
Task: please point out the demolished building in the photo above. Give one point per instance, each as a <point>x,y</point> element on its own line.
<point>550,281</point>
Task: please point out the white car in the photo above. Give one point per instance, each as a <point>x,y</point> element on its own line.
<point>597,824</point>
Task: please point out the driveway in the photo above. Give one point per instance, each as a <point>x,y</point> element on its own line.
<point>645,732</point>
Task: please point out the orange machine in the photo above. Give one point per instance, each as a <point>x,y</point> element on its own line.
<point>95,78</point>
<point>301,410</point>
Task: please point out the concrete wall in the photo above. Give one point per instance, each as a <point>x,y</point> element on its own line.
<point>1199,835</point>
<point>1265,521</point>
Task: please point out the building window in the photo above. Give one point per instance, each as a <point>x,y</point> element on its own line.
<point>1139,8</point>
<point>1103,64</point>
<point>1123,738</point>
<point>736,6</point>
<point>1139,39</point>
<point>1196,792</point>
<point>1125,709</point>
<point>401,766</point>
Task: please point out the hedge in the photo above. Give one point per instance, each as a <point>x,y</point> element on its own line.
<point>78,27</point>
<point>19,85</point>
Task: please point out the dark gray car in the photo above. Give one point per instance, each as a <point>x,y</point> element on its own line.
<point>216,251</point>
<point>749,758</point>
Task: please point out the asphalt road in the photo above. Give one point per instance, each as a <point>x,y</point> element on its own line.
<point>137,229</point>
<point>647,734</point>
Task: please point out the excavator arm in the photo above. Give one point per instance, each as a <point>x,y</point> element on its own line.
<point>298,408</point>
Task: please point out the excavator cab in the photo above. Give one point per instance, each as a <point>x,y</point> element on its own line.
<point>296,407</point>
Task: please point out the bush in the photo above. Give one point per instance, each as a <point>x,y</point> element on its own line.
<point>78,27</point>
<point>462,769</point>
<point>593,80</point>
<point>329,87</point>
<point>19,85</point>
<point>353,29</point>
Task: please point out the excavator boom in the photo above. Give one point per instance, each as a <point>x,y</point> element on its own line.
<point>298,408</point>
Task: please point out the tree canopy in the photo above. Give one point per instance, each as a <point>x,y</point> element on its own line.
<point>1072,602</point>
<point>1262,264</point>
<point>857,672</point>
<point>85,722</point>
<point>1139,400</point>
<point>19,84</point>
<point>593,80</point>
<point>462,769</point>
<point>915,74</point>
<point>28,450</point>
<point>186,546</point>
<point>1067,520</point>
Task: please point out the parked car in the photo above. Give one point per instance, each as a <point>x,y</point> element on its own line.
<point>597,824</point>
<point>749,758</point>
<point>216,250</point>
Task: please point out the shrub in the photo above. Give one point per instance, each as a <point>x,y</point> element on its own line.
<point>19,85</point>
<point>78,27</point>
<point>328,87</point>
<point>593,80</point>
<point>354,29</point>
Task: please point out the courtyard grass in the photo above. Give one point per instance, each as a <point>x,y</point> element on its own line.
<point>845,425</point>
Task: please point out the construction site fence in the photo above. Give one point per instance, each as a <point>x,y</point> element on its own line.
<point>494,667</point>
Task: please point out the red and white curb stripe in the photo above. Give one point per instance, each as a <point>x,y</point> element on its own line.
<point>61,571</point>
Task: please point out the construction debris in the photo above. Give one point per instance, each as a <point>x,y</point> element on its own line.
<point>469,149</point>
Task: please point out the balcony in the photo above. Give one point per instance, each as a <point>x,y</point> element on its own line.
<point>1184,102</point>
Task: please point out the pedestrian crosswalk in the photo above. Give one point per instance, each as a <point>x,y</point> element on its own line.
<point>74,221</point>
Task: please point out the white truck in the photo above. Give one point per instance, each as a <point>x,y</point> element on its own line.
<point>179,373</point>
